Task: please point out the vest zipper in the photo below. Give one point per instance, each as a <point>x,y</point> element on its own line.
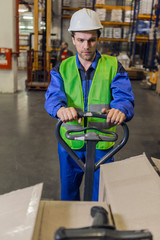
<point>85,97</point>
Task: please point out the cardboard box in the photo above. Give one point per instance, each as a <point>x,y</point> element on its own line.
<point>24,216</point>
<point>116,15</point>
<point>129,191</point>
<point>101,13</point>
<point>136,73</point>
<point>132,187</point>
<point>108,32</point>
<point>117,32</point>
<point>18,213</point>
<point>157,163</point>
<point>55,214</point>
<point>100,2</point>
<point>145,7</point>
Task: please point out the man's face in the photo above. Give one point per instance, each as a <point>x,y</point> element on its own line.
<point>86,44</point>
<point>63,45</point>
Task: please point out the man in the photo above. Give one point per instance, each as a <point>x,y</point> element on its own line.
<point>65,52</point>
<point>88,81</point>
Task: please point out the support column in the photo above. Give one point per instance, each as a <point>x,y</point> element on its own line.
<point>8,78</point>
<point>35,64</point>
<point>48,33</point>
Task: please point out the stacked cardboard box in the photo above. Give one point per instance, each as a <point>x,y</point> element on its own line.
<point>108,32</point>
<point>129,191</point>
<point>67,3</point>
<point>125,32</point>
<point>128,16</point>
<point>80,3</point>
<point>117,32</point>
<point>89,3</point>
<point>124,60</point>
<point>100,2</point>
<point>145,7</point>
<point>55,214</point>
<point>101,13</point>
<point>116,15</point>
<point>132,188</point>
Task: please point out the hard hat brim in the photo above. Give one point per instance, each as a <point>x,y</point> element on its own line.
<point>84,29</point>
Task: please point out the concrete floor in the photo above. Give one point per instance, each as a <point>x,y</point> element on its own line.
<point>28,146</point>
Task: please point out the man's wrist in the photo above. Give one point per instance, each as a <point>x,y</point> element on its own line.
<point>59,109</point>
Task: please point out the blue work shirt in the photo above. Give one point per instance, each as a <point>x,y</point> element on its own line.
<point>122,95</point>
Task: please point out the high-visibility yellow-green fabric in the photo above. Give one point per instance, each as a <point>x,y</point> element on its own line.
<point>99,94</point>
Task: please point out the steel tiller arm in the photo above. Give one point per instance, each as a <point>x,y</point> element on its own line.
<point>91,137</point>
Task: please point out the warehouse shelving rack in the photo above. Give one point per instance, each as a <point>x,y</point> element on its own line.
<point>104,23</point>
<point>113,24</point>
<point>71,10</point>
<point>155,50</point>
<point>152,44</point>
<point>141,38</point>
<point>118,42</point>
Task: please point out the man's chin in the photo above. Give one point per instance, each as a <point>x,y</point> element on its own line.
<point>87,57</point>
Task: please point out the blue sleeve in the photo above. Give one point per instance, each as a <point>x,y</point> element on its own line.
<point>55,94</point>
<point>122,94</point>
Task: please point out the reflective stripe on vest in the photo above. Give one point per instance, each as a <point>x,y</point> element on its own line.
<point>99,95</point>
<point>98,107</point>
<point>71,126</point>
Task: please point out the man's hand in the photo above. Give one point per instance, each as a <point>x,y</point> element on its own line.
<point>68,114</point>
<point>114,116</point>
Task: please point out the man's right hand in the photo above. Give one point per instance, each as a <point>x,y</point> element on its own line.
<point>68,114</point>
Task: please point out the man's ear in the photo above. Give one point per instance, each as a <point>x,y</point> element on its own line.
<point>73,40</point>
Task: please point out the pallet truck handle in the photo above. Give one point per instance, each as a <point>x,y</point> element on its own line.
<point>91,136</point>
<point>100,230</point>
<point>107,156</point>
<point>98,233</point>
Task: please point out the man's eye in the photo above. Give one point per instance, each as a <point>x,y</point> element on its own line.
<point>92,40</point>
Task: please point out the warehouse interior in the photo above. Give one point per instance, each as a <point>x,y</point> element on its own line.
<point>31,35</point>
<point>28,143</point>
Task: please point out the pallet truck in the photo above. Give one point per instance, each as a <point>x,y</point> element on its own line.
<point>100,228</point>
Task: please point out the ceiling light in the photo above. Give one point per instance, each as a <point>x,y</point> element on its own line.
<point>27,17</point>
<point>30,27</point>
<point>22,10</point>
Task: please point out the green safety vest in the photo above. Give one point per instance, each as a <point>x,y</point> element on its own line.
<point>99,96</point>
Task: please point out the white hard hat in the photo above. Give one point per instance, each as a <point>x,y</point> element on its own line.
<point>85,20</point>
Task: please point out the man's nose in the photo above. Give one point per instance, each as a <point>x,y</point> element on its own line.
<point>86,44</point>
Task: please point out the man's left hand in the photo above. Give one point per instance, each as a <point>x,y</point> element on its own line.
<point>114,116</point>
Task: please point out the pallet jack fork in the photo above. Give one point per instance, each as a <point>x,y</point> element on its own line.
<point>100,229</point>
